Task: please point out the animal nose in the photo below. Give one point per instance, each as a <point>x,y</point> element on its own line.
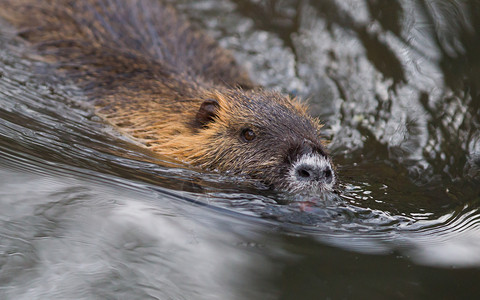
<point>311,173</point>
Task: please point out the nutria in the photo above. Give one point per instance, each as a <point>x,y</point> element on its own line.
<point>155,77</point>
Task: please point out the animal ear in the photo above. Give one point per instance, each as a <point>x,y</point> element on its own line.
<point>206,113</point>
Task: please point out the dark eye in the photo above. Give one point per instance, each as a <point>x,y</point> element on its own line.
<point>248,135</point>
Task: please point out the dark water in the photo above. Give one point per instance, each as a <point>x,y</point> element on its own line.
<point>86,213</point>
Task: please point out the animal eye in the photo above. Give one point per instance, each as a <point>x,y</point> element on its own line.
<point>248,135</point>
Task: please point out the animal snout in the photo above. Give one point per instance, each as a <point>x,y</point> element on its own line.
<point>312,173</point>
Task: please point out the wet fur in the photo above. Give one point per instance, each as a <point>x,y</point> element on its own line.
<point>148,71</point>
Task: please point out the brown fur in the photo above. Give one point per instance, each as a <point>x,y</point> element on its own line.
<point>148,71</point>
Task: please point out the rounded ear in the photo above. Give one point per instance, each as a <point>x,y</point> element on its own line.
<point>206,113</point>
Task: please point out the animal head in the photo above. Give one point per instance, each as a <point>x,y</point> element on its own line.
<point>264,135</point>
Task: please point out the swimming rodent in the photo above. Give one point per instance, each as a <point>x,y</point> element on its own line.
<point>158,79</point>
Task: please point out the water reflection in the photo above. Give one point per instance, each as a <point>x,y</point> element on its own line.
<point>69,237</point>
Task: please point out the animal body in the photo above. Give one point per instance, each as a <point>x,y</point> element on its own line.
<point>155,77</point>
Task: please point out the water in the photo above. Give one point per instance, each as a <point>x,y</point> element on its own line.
<point>86,213</point>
